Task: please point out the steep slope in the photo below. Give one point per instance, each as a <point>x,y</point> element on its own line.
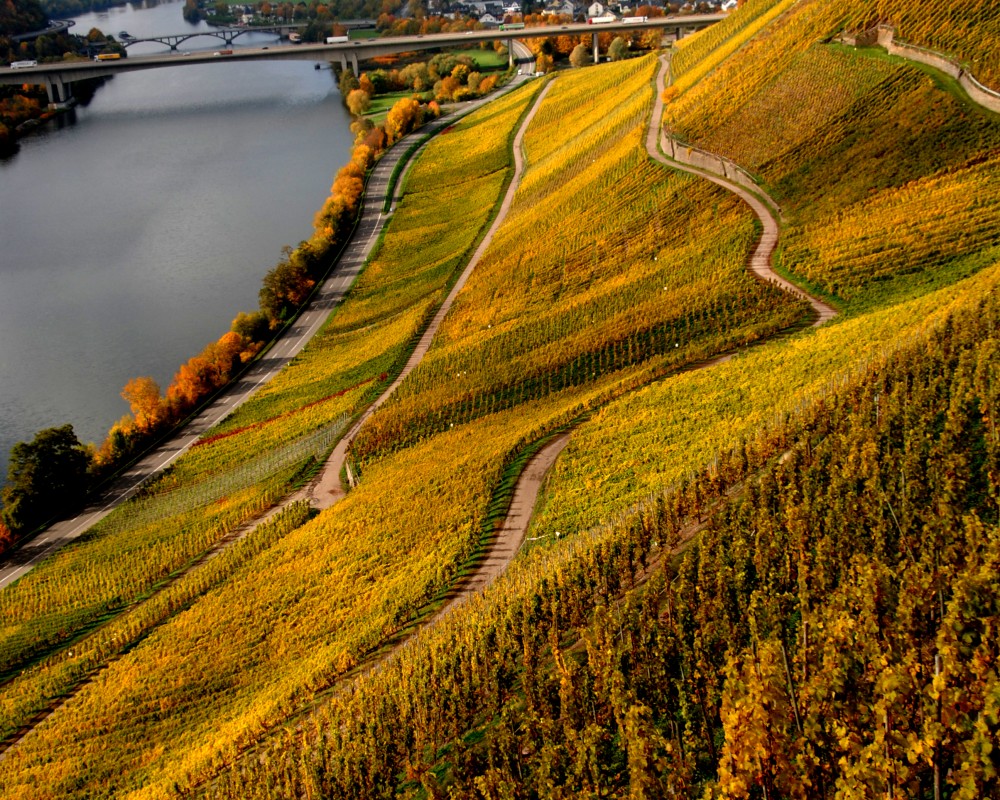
<point>565,681</point>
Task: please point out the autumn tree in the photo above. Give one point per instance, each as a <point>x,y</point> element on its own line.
<point>446,88</point>
<point>402,118</point>
<point>358,102</point>
<point>285,287</point>
<point>143,397</point>
<point>544,63</point>
<point>618,50</point>
<point>45,477</point>
<point>252,327</point>
<point>347,82</point>
<point>580,56</point>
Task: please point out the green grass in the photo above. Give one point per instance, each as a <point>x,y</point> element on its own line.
<point>485,59</point>
<point>381,103</point>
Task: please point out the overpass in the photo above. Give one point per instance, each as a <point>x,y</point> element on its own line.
<point>58,77</point>
<point>56,27</point>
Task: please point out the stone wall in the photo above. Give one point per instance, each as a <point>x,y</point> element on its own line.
<point>702,159</point>
<point>980,94</point>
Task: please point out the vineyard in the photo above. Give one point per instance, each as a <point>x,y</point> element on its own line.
<point>768,574</point>
<point>545,686</point>
<point>746,646</point>
<point>625,286</point>
<point>863,231</point>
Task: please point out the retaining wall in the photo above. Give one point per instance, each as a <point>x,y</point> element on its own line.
<point>710,162</point>
<point>980,94</point>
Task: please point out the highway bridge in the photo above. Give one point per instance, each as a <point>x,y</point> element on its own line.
<point>58,77</point>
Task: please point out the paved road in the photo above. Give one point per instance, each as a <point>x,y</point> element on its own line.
<point>18,562</point>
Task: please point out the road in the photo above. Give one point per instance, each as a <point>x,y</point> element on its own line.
<point>362,49</point>
<point>18,562</point>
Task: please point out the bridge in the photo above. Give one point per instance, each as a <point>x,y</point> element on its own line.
<point>58,77</point>
<point>230,34</point>
<point>227,35</point>
<point>56,27</point>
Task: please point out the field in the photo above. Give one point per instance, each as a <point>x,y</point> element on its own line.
<point>554,305</point>
<point>772,576</point>
<point>546,686</point>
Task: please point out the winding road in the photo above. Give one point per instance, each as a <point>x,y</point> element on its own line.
<point>327,489</point>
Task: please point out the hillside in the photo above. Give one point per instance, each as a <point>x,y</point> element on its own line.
<point>20,16</point>
<point>763,567</point>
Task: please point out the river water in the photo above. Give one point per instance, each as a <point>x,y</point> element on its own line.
<point>133,232</point>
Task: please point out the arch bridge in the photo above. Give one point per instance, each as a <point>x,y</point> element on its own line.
<point>227,35</point>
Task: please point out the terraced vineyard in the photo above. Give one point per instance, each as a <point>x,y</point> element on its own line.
<point>545,687</point>
<point>770,576</point>
<point>589,275</point>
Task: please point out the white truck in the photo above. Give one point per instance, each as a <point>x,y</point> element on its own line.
<point>23,64</point>
<point>337,39</point>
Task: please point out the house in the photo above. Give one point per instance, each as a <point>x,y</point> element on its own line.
<point>596,9</point>
<point>565,7</point>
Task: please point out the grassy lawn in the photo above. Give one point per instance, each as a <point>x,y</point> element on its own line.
<point>381,104</point>
<point>486,59</point>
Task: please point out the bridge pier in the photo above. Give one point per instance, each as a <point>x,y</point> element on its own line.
<point>597,49</point>
<point>510,53</point>
<point>60,94</point>
<point>354,64</point>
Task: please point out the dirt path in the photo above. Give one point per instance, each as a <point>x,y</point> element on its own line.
<point>760,259</point>
<point>327,489</point>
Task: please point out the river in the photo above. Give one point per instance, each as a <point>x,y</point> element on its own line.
<point>135,229</point>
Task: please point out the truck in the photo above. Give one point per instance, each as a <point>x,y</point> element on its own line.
<point>337,39</point>
<point>607,19</point>
<point>512,26</point>
<point>23,64</point>
<point>633,20</point>
<point>107,56</point>
<point>223,52</point>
